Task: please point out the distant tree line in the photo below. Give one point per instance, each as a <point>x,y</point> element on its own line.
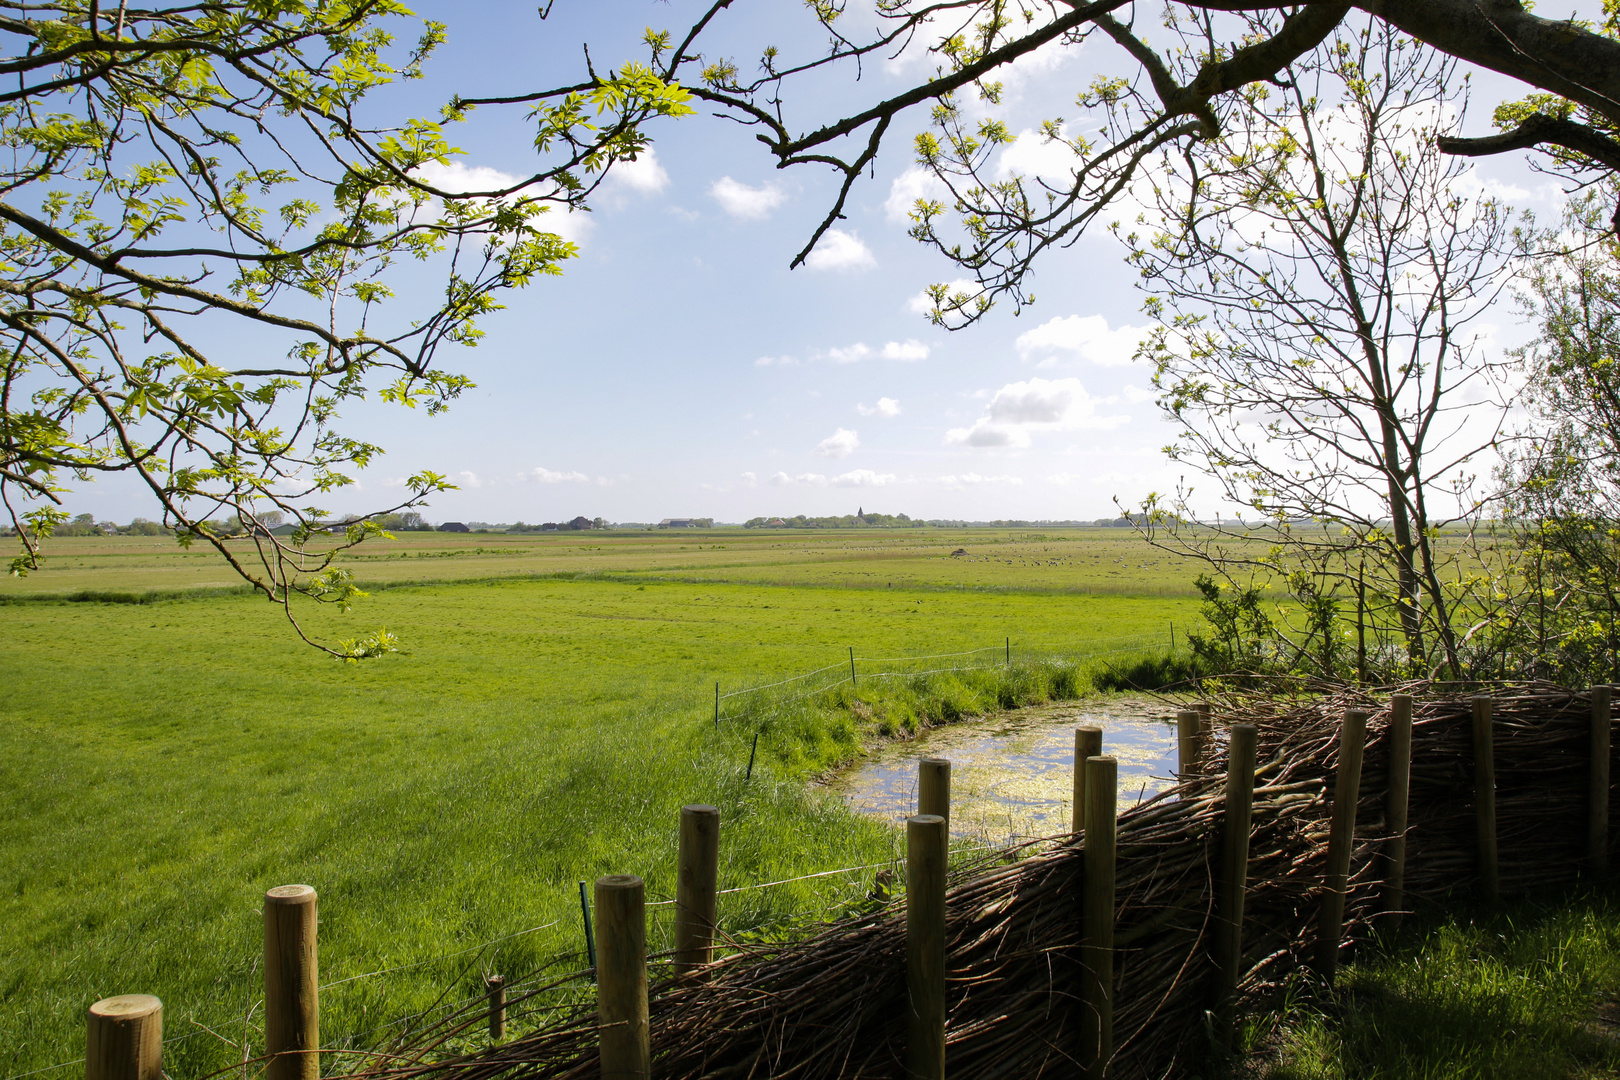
<point>846,521</point>
<point>87,525</point>
<point>579,524</point>
<point>897,521</point>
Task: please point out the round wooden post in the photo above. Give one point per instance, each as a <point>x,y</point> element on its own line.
<point>1485,801</point>
<point>1234,875</point>
<point>1087,744</point>
<point>1189,743</point>
<point>925,946</point>
<point>1597,821</point>
<point>1097,914</point>
<point>495,995</point>
<point>1399,736</point>
<point>695,885</point>
<point>292,1011</point>
<point>124,1039</point>
<point>621,978</point>
<point>1341,840</point>
<point>1205,713</point>
<point>934,789</point>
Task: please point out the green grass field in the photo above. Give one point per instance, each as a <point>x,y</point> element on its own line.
<point>1525,994</point>
<point>1109,561</point>
<point>163,763</point>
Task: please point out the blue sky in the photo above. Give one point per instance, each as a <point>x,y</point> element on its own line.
<point>680,369</point>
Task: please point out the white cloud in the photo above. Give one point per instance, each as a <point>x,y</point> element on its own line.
<point>886,406</point>
<point>908,350</point>
<point>1021,408</point>
<point>469,479</point>
<point>778,361</point>
<point>863,478</point>
<point>913,184</point>
<point>1085,337</point>
<point>839,250</point>
<point>459,178</point>
<point>973,479</point>
<point>750,478</point>
<point>854,478</point>
<point>905,351</point>
<point>922,303</point>
<point>575,226</point>
<point>740,200</point>
<point>1137,396</point>
<point>1034,155</point>
<point>550,476</point>
<point>839,444</point>
<point>643,174</point>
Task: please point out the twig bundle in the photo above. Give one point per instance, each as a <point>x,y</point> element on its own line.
<point>833,1006</point>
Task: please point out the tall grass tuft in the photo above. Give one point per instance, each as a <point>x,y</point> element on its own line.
<point>809,729</point>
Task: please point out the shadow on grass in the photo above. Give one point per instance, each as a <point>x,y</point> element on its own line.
<point>1525,993</point>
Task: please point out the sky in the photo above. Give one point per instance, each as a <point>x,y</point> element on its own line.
<point>680,369</point>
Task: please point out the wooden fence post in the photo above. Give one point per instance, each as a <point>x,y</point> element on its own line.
<point>934,789</point>
<point>1234,873</point>
<point>495,996</point>
<point>621,978</point>
<point>1485,801</point>
<point>1087,744</point>
<point>292,1011</point>
<point>1597,821</point>
<point>1399,737</point>
<point>1206,722</point>
<point>926,838</point>
<point>697,878</point>
<point>1341,840</point>
<point>123,1039</point>
<point>1097,914</point>
<point>1189,744</point>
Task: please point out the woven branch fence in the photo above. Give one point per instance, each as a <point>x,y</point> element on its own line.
<point>834,1005</point>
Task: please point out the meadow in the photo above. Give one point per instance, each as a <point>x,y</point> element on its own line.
<point>1524,993</point>
<point>1075,560</point>
<point>169,750</point>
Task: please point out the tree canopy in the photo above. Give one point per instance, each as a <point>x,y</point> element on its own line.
<point>1162,81</point>
<point>203,233</point>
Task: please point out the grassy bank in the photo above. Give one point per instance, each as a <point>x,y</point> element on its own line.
<point>1527,994</point>
<point>162,764</point>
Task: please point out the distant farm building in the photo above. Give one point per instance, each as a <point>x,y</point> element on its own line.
<point>678,523</point>
<point>454,526</point>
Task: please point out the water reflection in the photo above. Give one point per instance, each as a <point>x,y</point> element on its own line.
<point>1012,775</point>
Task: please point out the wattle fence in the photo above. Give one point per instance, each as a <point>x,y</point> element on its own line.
<point>1502,796</point>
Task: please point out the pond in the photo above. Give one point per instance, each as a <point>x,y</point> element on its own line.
<point>1012,774</point>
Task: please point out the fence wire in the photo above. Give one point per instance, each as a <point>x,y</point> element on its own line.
<point>1078,651</point>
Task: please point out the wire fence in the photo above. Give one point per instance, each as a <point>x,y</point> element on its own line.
<point>560,970</point>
